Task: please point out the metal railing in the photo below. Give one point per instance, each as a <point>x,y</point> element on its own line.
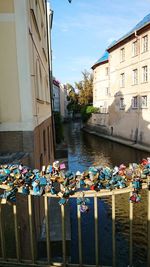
<point>34,262</point>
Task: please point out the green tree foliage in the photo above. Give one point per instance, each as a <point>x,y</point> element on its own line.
<point>73,98</point>
<point>82,96</point>
<point>87,111</point>
<point>85,89</point>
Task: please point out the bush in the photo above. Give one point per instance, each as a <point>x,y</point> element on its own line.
<point>87,111</point>
<point>58,127</point>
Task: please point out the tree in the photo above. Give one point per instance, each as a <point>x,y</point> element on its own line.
<point>73,98</point>
<point>85,89</point>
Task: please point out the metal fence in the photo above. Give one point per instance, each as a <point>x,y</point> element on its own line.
<point>4,261</point>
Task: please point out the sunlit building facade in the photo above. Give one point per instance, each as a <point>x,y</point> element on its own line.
<point>122,86</point>
<point>25,100</point>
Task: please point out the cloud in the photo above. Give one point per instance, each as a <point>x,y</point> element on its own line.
<point>84,30</point>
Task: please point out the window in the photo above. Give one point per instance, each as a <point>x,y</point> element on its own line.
<point>107,91</point>
<point>38,80</point>
<point>145,43</point>
<point>144,74</point>
<point>122,54</point>
<point>134,49</point>
<point>122,80</point>
<point>122,105</point>
<point>135,77</point>
<point>135,102</point>
<point>144,101</point>
<point>107,71</point>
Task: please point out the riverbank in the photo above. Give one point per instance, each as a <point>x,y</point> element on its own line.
<point>93,131</point>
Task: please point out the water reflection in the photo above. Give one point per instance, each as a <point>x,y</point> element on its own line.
<point>83,151</point>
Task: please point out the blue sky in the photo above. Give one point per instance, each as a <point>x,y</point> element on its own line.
<point>83,29</point>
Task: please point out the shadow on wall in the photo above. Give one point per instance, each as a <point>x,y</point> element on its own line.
<point>130,123</point>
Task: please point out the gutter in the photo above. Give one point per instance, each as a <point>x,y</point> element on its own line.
<point>127,36</point>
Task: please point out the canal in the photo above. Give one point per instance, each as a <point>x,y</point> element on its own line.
<point>85,150</point>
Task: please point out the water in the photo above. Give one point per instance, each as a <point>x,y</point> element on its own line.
<point>83,151</point>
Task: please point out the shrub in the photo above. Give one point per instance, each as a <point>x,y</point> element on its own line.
<point>87,111</point>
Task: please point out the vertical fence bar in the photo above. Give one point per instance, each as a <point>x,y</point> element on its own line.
<point>31,228</point>
<point>79,235</point>
<point>148,230</point>
<point>113,231</point>
<point>46,208</point>
<point>2,234</point>
<point>63,234</point>
<point>96,229</point>
<point>131,231</point>
<point>16,233</point>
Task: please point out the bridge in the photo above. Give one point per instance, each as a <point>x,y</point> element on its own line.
<point>18,261</point>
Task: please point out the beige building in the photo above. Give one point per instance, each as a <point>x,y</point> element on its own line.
<point>25,102</point>
<point>122,86</point>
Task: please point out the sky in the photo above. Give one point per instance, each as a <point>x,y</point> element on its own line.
<point>82,31</point>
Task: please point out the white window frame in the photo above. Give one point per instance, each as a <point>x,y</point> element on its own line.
<point>40,95</point>
<point>135,77</point>
<point>145,74</point>
<point>135,48</point>
<point>135,102</point>
<point>144,101</point>
<point>122,80</point>
<point>145,43</point>
<point>122,104</point>
<point>122,54</point>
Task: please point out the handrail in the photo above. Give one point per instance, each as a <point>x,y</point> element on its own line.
<point>90,193</point>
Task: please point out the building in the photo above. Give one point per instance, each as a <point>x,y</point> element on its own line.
<point>56,95</point>
<point>122,86</point>
<point>64,102</point>
<point>25,101</point>
<point>60,99</point>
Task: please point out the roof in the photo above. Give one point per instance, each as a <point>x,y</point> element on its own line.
<point>103,59</point>
<point>145,21</point>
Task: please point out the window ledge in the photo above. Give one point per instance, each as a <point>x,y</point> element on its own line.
<point>144,82</point>
<point>134,56</point>
<point>40,101</point>
<point>143,52</point>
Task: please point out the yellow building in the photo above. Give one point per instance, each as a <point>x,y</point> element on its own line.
<point>25,102</point>
<point>122,86</point>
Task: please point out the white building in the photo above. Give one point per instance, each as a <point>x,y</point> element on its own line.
<point>63,102</point>
<point>121,86</point>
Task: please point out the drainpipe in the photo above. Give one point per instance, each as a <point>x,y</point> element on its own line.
<point>49,20</point>
<point>138,93</point>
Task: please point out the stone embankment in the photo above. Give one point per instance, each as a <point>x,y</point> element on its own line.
<point>93,130</point>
